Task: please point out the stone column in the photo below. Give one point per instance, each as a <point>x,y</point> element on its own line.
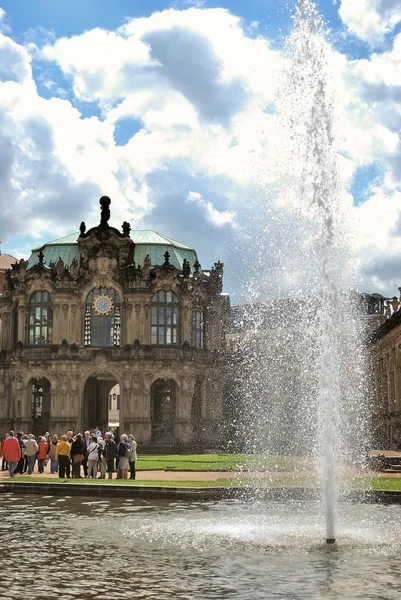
<point>137,419</point>
<point>182,422</point>
<point>145,321</point>
<point>6,341</point>
<point>127,323</point>
<point>212,409</point>
<point>22,322</point>
<point>186,321</point>
<point>5,412</point>
<point>56,339</point>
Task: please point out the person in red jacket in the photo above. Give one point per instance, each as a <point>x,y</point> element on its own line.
<point>42,454</point>
<point>12,452</point>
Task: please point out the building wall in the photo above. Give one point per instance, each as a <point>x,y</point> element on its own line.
<point>135,364</point>
<point>386,370</point>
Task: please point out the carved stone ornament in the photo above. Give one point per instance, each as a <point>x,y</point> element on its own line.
<point>103,265</point>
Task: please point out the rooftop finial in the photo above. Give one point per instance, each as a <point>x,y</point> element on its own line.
<point>126,227</point>
<point>105,212</point>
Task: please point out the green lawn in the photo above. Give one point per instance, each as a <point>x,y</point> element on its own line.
<point>220,462</point>
<point>379,483</point>
<point>361,483</point>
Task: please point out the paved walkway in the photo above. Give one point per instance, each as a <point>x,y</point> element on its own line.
<point>207,475</point>
<point>214,475</point>
<point>153,475</point>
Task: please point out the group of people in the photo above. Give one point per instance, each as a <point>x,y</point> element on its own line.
<point>72,454</point>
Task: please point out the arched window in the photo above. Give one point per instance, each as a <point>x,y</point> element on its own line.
<point>40,319</point>
<point>102,318</point>
<point>197,329</point>
<point>165,315</point>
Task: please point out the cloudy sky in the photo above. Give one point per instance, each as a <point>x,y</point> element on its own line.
<point>166,106</point>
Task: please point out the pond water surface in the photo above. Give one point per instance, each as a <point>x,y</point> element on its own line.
<point>86,548</point>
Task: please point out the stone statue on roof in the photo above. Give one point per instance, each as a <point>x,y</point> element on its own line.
<point>105,212</point>
<point>74,268</point>
<point>60,267</point>
<point>146,266</point>
<point>186,268</point>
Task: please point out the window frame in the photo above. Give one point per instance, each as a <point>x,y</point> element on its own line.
<point>37,309</point>
<point>165,319</point>
<point>198,327</point>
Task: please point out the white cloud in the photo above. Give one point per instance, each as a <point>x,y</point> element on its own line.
<point>147,54</point>
<point>370,20</point>
<point>196,82</point>
<point>191,125</point>
<point>3,26</point>
<point>14,61</point>
<point>214,216</point>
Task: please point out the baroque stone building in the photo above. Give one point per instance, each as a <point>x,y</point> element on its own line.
<point>105,308</point>
<point>386,367</point>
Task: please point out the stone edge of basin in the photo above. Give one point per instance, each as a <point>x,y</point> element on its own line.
<point>287,494</point>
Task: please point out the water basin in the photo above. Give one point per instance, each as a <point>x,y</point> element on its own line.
<point>84,549</point>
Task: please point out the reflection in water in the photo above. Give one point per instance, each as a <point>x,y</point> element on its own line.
<point>79,548</point>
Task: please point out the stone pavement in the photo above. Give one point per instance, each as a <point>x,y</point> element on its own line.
<point>152,475</point>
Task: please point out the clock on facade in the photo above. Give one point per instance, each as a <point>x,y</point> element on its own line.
<point>103,305</point>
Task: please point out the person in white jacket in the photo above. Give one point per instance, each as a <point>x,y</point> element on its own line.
<point>31,449</point>
<point>102,459</point>
<point>133,456</point>
<point>93,457</point>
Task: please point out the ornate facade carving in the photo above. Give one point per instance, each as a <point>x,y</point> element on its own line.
<point>63,347</point>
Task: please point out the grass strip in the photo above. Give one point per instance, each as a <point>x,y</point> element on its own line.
<point>221,462</point>
<point>360,483</point>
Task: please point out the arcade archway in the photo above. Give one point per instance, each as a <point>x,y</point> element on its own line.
<point>101,403</point>
<point>39,402</point>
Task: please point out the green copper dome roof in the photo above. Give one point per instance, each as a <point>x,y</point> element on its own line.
<point>147,242</point>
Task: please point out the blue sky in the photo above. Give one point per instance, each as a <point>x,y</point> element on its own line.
<point>162,105</point>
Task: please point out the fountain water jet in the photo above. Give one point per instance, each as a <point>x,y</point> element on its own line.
<point>323,202</point>
<point>320,198</point>
<point>319,259</point>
